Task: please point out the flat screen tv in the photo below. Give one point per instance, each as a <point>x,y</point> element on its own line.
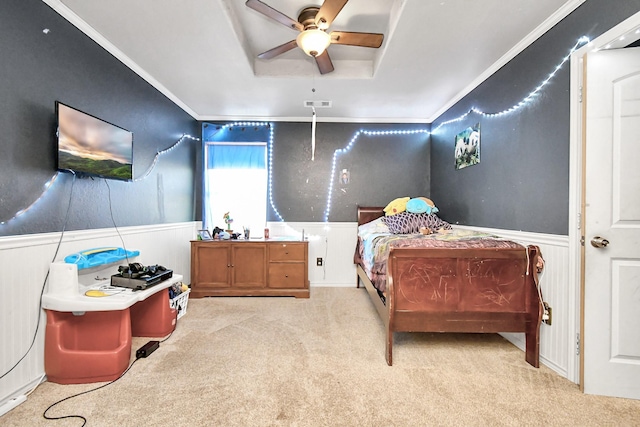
<point>91,147</point>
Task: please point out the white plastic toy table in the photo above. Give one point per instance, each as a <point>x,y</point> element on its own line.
<point>88,339</point>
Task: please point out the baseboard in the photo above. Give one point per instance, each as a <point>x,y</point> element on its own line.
<point>333,285</point>
<point>12,403</point>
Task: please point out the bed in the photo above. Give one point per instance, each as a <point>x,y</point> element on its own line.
<point>453,287</point>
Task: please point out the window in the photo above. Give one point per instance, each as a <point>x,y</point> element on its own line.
<point>235,181</point>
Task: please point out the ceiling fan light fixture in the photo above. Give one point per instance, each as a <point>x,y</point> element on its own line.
<point>313,41</point>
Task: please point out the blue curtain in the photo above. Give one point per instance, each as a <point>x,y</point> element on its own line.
<point>236,156</point>
<point>257,132</point>
<point>238,146</point>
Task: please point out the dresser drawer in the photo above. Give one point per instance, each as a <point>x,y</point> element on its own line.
<point>287,276</point>
<point>287,252</point>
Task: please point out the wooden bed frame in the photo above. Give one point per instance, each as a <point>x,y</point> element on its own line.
<point>458,290</point>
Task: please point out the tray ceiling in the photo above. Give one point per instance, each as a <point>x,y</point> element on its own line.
<point>202,54</point>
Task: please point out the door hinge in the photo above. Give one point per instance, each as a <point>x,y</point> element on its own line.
<point>580,95</point>
<point>581,240</point>
<point>578,344</point>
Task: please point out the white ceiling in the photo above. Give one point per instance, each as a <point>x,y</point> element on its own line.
<point>202,54</point>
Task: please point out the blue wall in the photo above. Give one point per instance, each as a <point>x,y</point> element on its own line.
<point>381,167</point>
<point>522,181</point>
<point>36,69</point>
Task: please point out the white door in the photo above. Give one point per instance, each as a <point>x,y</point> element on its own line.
<point>612,224</point>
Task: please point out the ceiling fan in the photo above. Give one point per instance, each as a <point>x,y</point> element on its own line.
<point>313,39</point>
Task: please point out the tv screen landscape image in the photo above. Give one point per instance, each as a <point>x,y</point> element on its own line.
<point>89,146</point>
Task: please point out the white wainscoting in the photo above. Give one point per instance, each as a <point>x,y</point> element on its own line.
<point>557,341</point>
<point>335,243</point>
<point>24,263</point>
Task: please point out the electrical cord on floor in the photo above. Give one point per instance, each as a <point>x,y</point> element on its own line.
<point>169,336</point>
<point>44,282</point>
<point>139,355</point>
<point>175,325</point>
<point>84,420</point>
<point>36,386</point>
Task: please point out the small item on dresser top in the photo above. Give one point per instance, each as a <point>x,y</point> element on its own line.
<point>216,232</point>
<point>266,233</point>
<point>204,235</point>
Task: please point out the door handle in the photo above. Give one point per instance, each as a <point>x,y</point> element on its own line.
<point>599,242</point>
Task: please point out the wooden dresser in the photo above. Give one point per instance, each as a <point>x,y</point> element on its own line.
<point>249,268</point>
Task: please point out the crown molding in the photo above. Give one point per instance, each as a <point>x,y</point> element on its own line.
<point>534,35</point>
<point>92,33</point>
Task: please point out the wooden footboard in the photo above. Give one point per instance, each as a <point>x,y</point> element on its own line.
<point>461,290</point>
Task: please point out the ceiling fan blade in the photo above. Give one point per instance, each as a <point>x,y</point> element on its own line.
<point>324,63</point>
<point>357,39</point>
<point>278,50</point>
<point>270,12</point>
<point>328,12</point>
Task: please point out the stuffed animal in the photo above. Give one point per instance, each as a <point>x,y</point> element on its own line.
<point>425,230</point>
<point>418,205</point>
<point>427,201</point>
<point>431,207</point>
<point>421,205</point>
<point>396,206</point>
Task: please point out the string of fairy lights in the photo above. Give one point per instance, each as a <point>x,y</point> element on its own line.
<point>165,151</point>
<point>49,183</point>
<point>527,99</point>
<point>524,102</point>
<point>341,151</point>
<point>270,127</point>
<point>46,187</point>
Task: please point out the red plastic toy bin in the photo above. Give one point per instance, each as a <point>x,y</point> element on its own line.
<point>153,317</point>
<point>92,347</point>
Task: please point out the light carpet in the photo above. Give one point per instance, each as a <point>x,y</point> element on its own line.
<point>320,362</point>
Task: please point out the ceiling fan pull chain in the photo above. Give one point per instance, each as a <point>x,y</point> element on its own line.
<point>313,132</point>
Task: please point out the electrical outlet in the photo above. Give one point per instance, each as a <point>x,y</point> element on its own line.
<point>319,262</point>
<point>546,314</point>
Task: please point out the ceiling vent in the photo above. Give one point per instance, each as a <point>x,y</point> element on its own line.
<point>317,104</point>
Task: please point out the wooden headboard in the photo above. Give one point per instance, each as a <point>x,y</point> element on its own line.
<point>369,213</point>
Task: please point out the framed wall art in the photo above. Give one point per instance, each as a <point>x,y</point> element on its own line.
<point>467,147</point>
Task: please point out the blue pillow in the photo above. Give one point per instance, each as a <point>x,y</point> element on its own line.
<point>418,206</point>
